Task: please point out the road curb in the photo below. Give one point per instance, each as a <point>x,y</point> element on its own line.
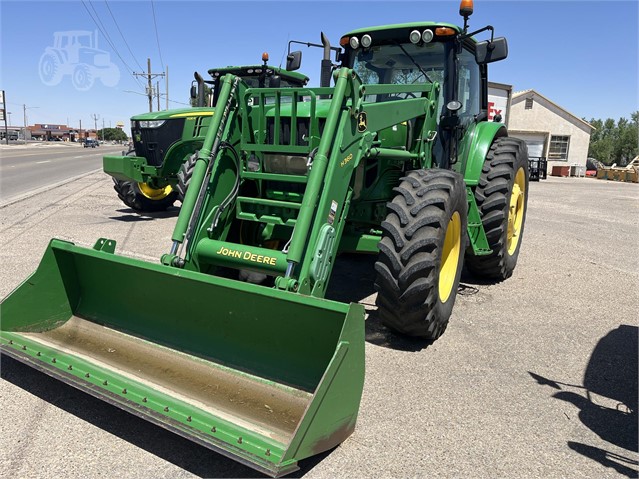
<point>42,189</point>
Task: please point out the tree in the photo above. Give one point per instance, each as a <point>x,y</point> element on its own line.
<point>112,134</point>
<point>615,142</point>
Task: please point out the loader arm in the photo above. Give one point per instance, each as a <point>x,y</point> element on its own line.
<point>314,221</point>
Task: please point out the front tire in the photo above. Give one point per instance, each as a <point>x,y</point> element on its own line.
<point>142,197</point>
<point>502,197</point>
<point>421,253</point>
<point>82,77</point>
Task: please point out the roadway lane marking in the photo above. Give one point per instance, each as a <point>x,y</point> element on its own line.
<point>40,162</point>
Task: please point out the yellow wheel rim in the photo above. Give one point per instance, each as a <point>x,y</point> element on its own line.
<point>516,211</point>
<point>450,257</point>
<point>155,194</point>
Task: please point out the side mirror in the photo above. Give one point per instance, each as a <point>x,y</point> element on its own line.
<point>488,52</point>
<point>193,91</point>
<point>275,81</point>
<point>293,61</point>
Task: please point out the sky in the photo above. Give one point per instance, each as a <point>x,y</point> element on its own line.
<point>583,55</point>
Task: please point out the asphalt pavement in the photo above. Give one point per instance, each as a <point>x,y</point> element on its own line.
<point>24,168</point>
<point>535,377</point>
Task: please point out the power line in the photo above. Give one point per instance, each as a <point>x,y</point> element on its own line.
<point>115,50</point>
<point>122,35</point>
<point>157,37</point>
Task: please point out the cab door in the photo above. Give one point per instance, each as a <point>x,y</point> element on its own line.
<point>468,86</point>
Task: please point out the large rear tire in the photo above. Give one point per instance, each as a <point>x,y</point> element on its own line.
<point>502,197</point>
<point>184,176</point>
<point>421,253</point>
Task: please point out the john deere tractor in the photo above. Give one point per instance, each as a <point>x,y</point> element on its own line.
<point>157,171</point>
<point>231,342</point>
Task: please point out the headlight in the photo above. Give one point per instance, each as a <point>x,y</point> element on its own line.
<point>366,41</point>
<point>152,123</point>
<point>415,36</point>
<point>427,36</point>
<point>354,43</point>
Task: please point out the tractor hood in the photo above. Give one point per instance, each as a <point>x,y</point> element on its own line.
<point>177,113</point>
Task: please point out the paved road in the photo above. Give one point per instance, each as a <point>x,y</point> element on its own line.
<point>535,377</point>
<point>23,169</point>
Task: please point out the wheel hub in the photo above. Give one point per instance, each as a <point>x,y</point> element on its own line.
<point>155,194</point>
<point>516,211</point>
<point>450,257</point>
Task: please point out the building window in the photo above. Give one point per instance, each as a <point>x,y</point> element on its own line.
<point>529,103</point>
<point>558,148</point>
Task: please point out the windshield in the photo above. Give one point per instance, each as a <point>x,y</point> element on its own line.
<point>404,64</point>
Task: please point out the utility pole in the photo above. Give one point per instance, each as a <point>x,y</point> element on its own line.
<point>3,100</point>
<point>158,93</point>
<point>24,112</point>
<point>149,76</point>
<point>166,82</point>
<point>95,123</point>
<point>80,129</point>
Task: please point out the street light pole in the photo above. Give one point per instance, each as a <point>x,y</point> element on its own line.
<point>24,112</point>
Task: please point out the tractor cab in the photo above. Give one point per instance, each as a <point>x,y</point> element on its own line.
<point>206,92</point>
<point>429,52</point>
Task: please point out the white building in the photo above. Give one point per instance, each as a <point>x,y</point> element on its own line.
<point>550,131</point>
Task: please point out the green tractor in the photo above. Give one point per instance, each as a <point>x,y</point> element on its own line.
<point>157,171</point>
<point>232,343</point>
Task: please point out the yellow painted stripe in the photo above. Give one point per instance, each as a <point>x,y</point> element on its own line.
<point>192,115</point>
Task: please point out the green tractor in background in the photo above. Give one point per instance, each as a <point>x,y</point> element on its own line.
<point>231,343</point>
<point>157,171</point>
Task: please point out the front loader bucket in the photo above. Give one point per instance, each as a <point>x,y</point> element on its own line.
<point>266,377</point>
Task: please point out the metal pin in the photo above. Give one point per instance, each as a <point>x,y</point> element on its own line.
<point>166,409</point>
<point>38,353</point>
<point>268,452</point>
<point>87,375</point>
<point>239,440</point>
<point>213,429</point>
<point>53,360</point>
<point>70,367</point>
<point>24,348</point>
<point>124,391</point>
<point>143,399</point>
<point>11,341</point>
<point>188,419</point>
<point>106,383</point>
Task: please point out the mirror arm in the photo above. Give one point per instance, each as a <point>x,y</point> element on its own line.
<point>487,27</point>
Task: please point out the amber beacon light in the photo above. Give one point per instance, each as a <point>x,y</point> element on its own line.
<point>466,8</point>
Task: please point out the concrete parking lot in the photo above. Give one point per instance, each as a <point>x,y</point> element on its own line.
<point>534,377</point>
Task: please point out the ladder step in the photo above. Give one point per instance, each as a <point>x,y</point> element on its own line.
<point>274,212</point>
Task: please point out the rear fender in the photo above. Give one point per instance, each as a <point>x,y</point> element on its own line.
<point>483,136</point>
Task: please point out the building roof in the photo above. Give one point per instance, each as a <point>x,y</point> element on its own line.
<point>526,94</point>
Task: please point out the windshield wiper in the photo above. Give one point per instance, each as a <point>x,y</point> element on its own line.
<point>415,63</point>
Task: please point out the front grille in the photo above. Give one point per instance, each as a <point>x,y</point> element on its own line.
<point>153,143</point>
